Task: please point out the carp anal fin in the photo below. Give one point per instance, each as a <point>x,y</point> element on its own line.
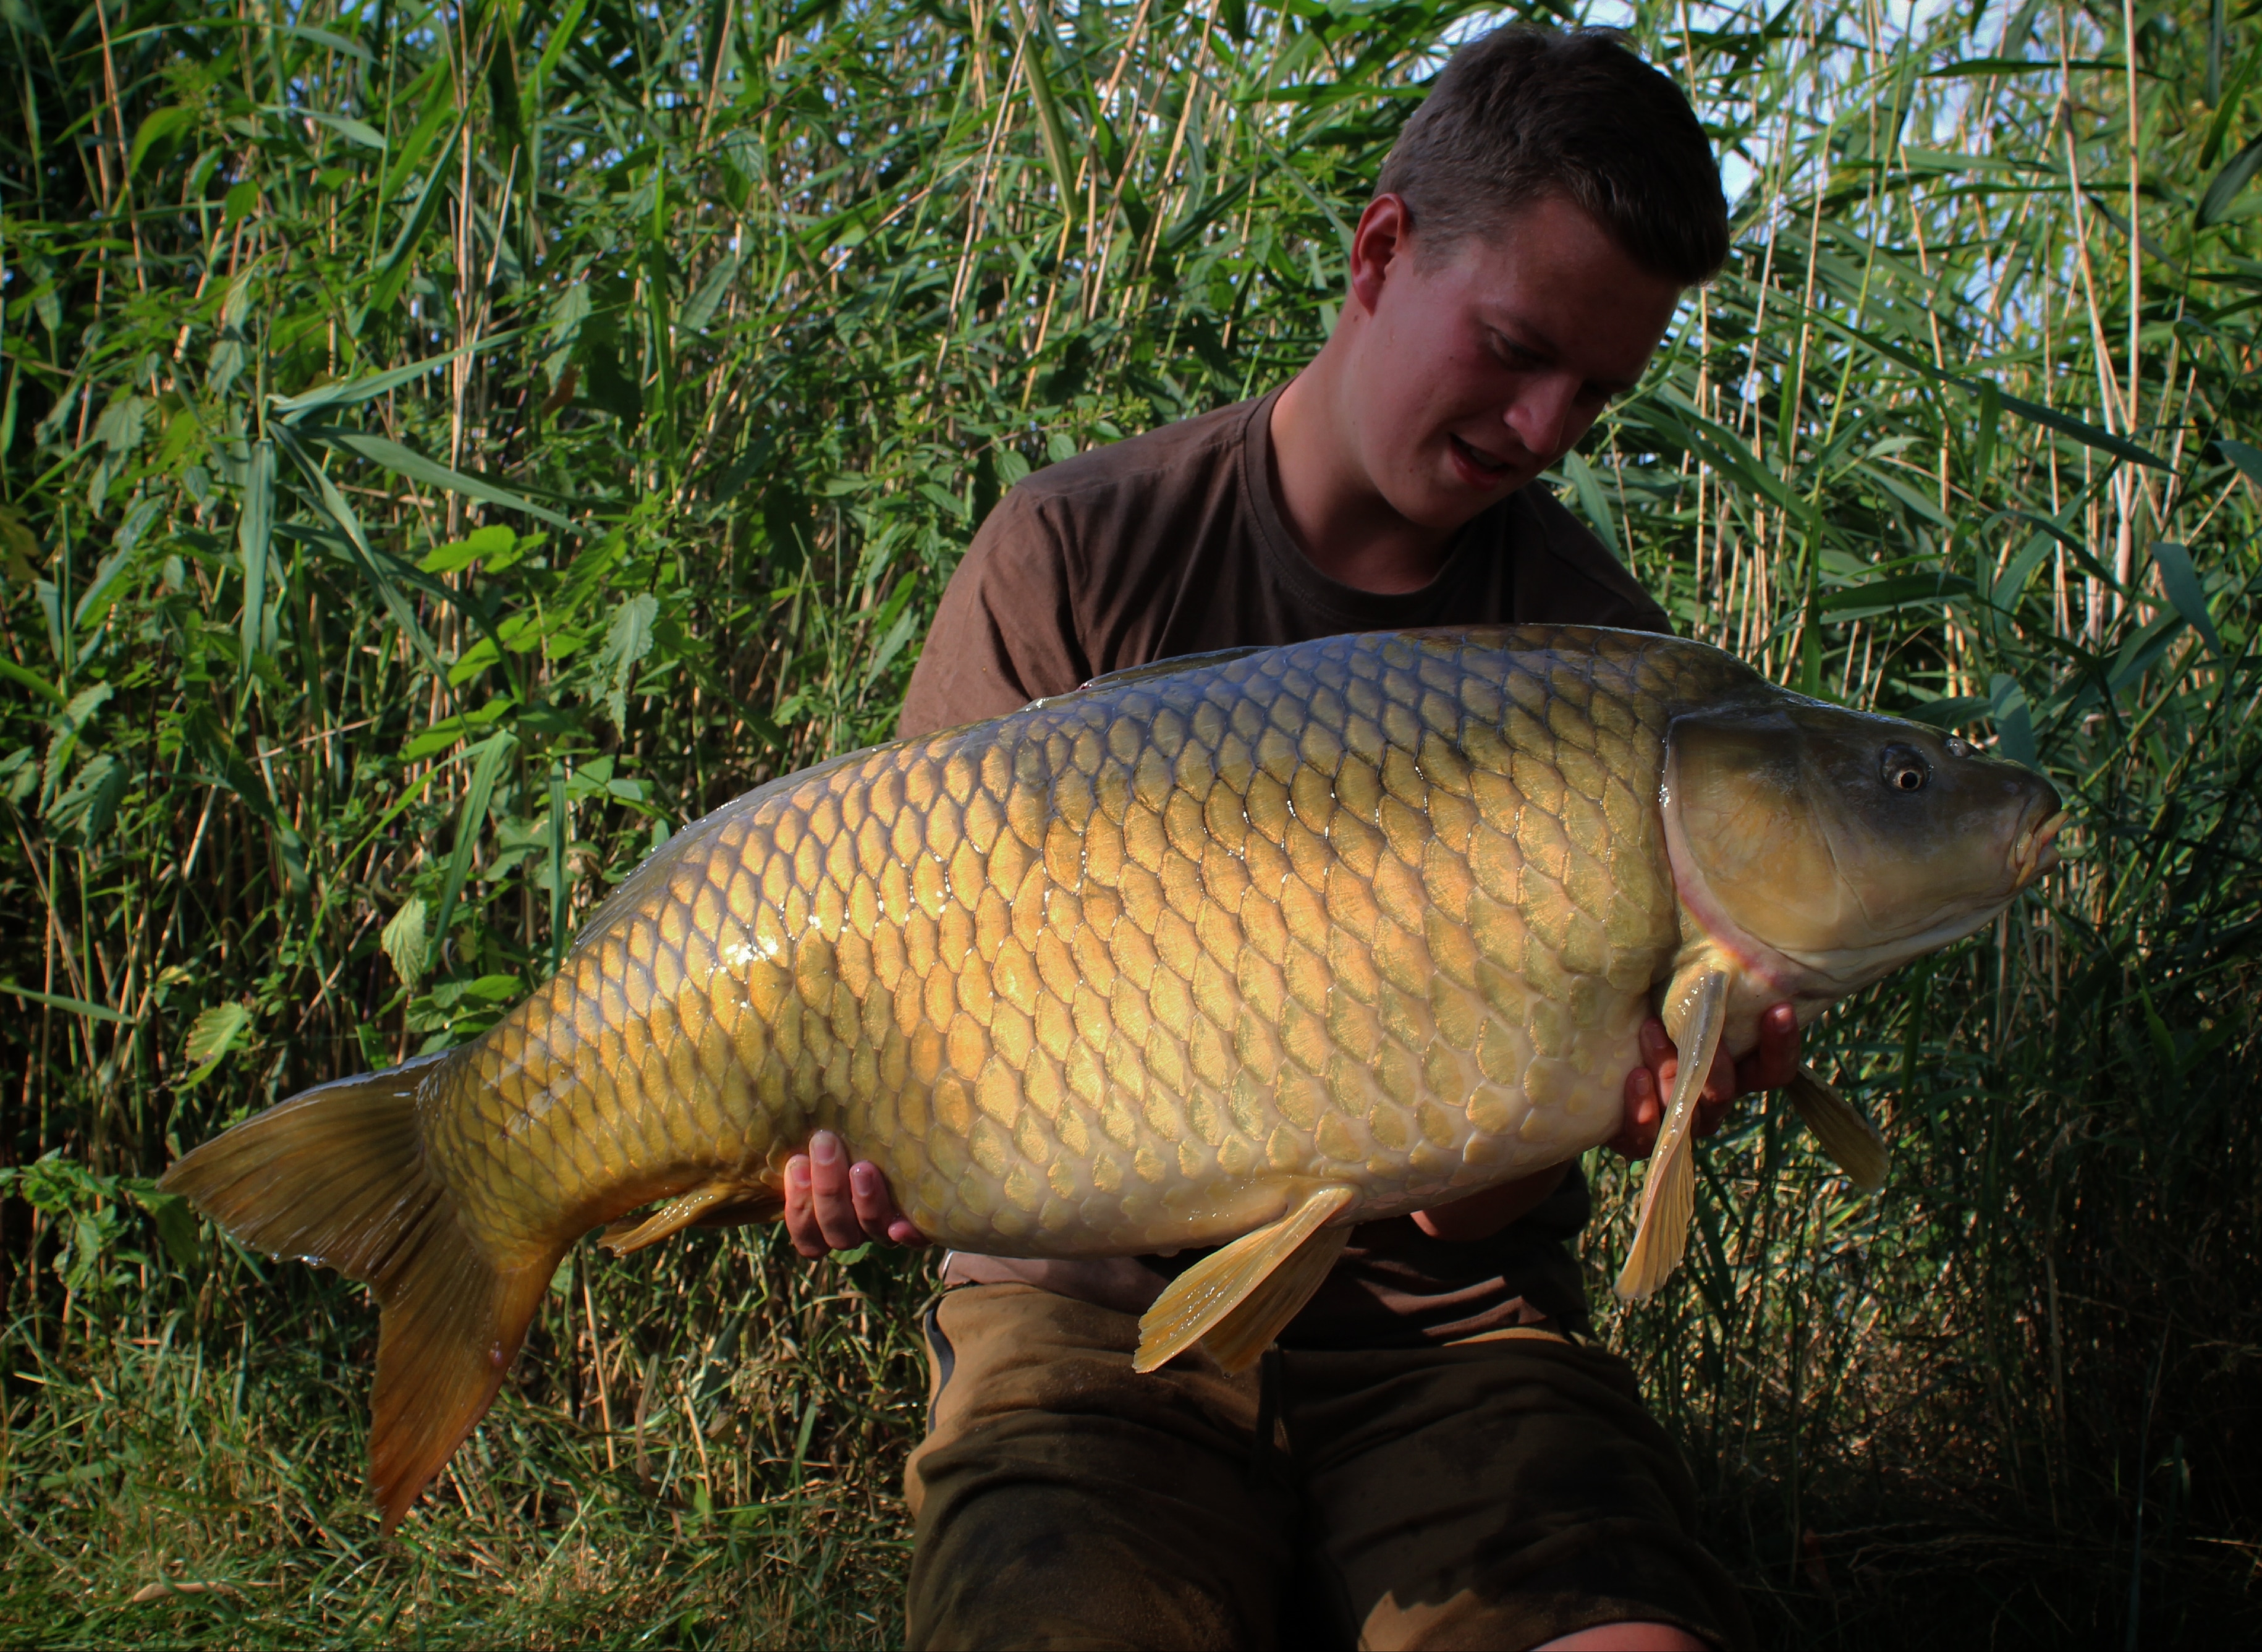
<point>1238,1298</point>
<point>1849,1139</point>
<point>337,1175</point>
<point>1668,1192</point>
<point>722,1202</point>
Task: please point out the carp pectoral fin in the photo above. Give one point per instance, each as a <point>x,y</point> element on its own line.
<point>339,1175</point>
<point>714,1203</point>
<point>1240,1297</point>
<point>1845,1135</point>
<point>1241,1337</point>
<point>1668,1192</point>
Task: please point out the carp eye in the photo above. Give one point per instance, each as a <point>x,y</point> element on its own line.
<point>1957,748</point>
<point>1904,768</point>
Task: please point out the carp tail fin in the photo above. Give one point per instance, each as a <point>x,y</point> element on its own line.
<point>1850,1140</point>
<point>1668,1192</point>
<point>1238,1299</point>
<point>338,1175</point>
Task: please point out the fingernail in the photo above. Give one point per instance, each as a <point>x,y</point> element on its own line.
<point>824,1147</point>
<point>796,1169</point>
<point>860,1177</point>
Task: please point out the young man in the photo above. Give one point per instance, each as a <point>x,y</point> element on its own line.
<point>1433,1455</point>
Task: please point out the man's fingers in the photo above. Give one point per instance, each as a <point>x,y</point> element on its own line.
<point>829,1192</point>
<point>1778,1051</point>
<point>832,1205</point>
<point>1638,1125</point>
<point>1657,1048</point>
<point>1720,1083</point>
<point>800,1214</point>
<point>875,1206</point>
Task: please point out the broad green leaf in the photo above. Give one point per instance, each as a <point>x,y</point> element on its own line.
<point>2214,206</point>
<point>404,939</point>
<point>157,126</point>
<point>2181,581</point>
<point>176,1223</point>
<point>1882,596</point>
<point>255,531</point>
<point>628,641</point>
<point>2014,725</point>
<point>20,547</point>
<point>217,1030</point>
<point>455,730</point>
<point>407,462</point>
<point>1593,500</point>
<point>494,539</point>
<point>703,304</point>
<point>329,42</point>
<point>89,804</point>
<point>346,393</point>
<point>32,679</point>
<point>399,260</point>
<point>346,127</point>
<point>102,589</point>
<point>334,505</point>
<point>2244,455</point>
<point>494,752</point>
<point>56,1001</point>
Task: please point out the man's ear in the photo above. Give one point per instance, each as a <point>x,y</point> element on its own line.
<point>1381,247</point>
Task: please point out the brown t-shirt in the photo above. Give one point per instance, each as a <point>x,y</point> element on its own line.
<point>1171,544</point>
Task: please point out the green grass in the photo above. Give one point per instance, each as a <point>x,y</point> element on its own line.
<point>335,695</point>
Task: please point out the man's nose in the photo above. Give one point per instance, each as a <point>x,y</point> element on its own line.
<point>1544,415</point>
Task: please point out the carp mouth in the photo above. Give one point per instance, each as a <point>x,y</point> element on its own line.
<point>2034,850</point>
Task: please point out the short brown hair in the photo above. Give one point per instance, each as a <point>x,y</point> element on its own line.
<point>1526,112</point>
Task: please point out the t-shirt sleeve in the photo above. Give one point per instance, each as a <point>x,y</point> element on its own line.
<point>1572,578</point>
<point>1004,633</point>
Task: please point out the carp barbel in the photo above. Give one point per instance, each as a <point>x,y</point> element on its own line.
<point>1237,949</point>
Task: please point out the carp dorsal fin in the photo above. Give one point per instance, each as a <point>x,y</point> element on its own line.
<point>1239,1297</point>
<point>1845,1135</point>
<point>1668,1192</point>
<point>1168,667</point>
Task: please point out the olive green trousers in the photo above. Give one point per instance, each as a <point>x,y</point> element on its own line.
<point>1495,1493</point>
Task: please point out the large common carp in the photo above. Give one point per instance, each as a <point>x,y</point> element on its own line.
<point>1247,947</point>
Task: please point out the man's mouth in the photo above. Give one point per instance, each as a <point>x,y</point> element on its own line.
<point>1476,460</point>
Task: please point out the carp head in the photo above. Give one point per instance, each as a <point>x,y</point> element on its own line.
<point>1825,847</point>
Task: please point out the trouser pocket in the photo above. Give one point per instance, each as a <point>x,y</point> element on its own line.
<point>941,1358</point>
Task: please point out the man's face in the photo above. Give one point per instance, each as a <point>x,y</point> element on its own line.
<point>1484,365</point>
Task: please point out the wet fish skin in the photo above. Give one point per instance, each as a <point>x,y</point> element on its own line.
<point>1113,973</point>
<point>1259,944</point>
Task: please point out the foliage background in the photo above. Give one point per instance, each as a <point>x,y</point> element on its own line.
<point>444,450</point>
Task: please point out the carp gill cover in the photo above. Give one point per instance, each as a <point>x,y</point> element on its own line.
<point>1237,949</point>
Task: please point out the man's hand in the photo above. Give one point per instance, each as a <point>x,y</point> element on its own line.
<point>1768,1067</point>
<point>832,1205</point>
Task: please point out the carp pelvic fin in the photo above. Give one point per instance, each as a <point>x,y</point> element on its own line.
<point>722,1202</point>
<point>1668,1192</point>
<point>1238,1298</point>
<point>337,1175</point>
<point>1849,1139</point>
